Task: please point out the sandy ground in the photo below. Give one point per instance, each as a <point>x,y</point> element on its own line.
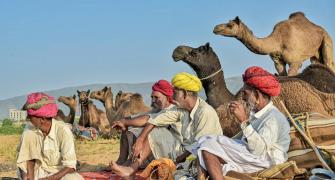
<point>93,155</point>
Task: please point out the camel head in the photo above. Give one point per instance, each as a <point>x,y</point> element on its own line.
<point>103,94</point>
<point>83,96</point>
<point>202,60</point>
<point>70,101</point>
<point>122,97</point>
<point>230,29</point>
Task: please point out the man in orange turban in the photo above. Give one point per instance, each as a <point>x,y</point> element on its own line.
<point>264,139</point>
<point>46,149</point>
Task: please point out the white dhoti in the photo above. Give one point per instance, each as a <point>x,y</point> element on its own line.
<point>234,152</point>
<point>163,143</point>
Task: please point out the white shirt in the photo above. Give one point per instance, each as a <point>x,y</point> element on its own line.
<point>268,134</point>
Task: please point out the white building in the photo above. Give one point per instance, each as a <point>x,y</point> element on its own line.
<point>17,115</point>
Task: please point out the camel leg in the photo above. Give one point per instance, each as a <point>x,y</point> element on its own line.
<point>280,66</point>
<point>294,68</point>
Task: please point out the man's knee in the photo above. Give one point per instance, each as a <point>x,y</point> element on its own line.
<point>72,176</point>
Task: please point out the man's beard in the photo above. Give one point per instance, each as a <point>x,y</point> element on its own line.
<point>155,107</point>
<point>250,105</point>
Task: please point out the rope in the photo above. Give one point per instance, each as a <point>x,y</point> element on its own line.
<point>153,173</point>
<point>207,77</point>
<point>310,142</point>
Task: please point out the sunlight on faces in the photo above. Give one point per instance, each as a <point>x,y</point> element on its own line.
<point>178,96</point>
<point>34,121</point>
<point>249,98</point>
<point>158,100</point>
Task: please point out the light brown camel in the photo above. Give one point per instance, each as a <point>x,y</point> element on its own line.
<point>105,96</point>
<point>91,116</point>
<point>132,106</point>
<point>291,42</point>
<point>120,98</point>
<point>71,102</point>
<point>298,95</point>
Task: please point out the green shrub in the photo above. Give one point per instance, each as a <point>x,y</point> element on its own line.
<point>7,122</point>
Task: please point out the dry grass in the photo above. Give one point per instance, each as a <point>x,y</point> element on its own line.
<point>93,155</point>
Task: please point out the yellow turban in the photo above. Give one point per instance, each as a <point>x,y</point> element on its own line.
<point>187,82</point>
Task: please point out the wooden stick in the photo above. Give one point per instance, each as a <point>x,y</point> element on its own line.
<point>324,164</point>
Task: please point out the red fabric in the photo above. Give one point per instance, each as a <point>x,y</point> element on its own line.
<point>261,79</point>
<point>165,88</point>
<point>46,111</point>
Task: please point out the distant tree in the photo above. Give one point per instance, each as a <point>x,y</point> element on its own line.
<point>7,122</point>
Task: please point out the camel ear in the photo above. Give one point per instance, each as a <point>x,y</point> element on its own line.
<point>110,88</point>
<point>237,20</point>
<point>207,46</point>
<point>105,88</point>
<point>78,91</point>
<point>74,96</point>
<point>88,92</point>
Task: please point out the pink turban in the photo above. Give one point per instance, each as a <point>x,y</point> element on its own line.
<point>41,105</point>
<point>165,88</point>
<point>261,79</point>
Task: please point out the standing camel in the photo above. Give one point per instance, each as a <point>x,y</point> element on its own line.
<point>206,64</point>
<point>71,102</point>
<point>105,96</point>
<point>291,42</point>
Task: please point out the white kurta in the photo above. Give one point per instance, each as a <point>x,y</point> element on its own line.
<point>263,143</point>
<point>165,139</point>
<point>52,152</point>
<point>203,120</point>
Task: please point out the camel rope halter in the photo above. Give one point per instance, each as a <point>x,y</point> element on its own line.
<point>211,75</point>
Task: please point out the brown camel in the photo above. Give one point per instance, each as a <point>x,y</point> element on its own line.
<point>105,96</point>
<point>291,42</point>
<point>91,116</point>
<point>298,95</point>
<point>120,98</point>
<point>71,102</point>
<point>134,105</point>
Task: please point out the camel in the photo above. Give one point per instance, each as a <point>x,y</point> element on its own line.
<point>71,102</point>
<point>131,105</point>
<point>294,92</point>
<point>128,103</point>
<point>91,116</point>
<point>291,42</point>
<point>105,96</point>
<point>120,98</point>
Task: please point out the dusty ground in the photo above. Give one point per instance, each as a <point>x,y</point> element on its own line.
<point>93,155</point>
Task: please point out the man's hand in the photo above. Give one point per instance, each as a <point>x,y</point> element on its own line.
<point>119,125</point>
<point>237,109</point>
<point>137,148</point>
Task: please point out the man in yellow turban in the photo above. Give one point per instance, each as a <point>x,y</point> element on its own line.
<point>197,119</point>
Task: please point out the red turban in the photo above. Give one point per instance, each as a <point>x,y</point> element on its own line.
<point>165,88</point>
<point>261,79</point>
<point>41,105</point>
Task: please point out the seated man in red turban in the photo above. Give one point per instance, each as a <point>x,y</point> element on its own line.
<point>46,149</point>
<point>163,138</point>
<point>264,138</point>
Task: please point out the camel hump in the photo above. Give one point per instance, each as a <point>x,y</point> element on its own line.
<point>296,14</point>
<point>136,97</point>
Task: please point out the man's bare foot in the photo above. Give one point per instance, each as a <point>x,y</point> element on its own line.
<point>122,171</point>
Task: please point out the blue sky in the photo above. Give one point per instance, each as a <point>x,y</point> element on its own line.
<point>54,44</point>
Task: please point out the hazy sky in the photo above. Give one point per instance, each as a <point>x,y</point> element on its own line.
<point>48,45</point>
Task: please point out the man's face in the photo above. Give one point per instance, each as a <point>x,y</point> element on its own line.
<point>36,121</point>
<point>159,100</point>
<point>179,96</point>
<point>248,95</point>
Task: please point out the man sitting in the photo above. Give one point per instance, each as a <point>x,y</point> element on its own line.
<point>264,139</point>
<point>46,149</point>
<point>162,140</point>
<point>197,118</point>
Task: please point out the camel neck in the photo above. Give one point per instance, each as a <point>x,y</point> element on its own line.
<point>261,46</point>
<point>216,90</point>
